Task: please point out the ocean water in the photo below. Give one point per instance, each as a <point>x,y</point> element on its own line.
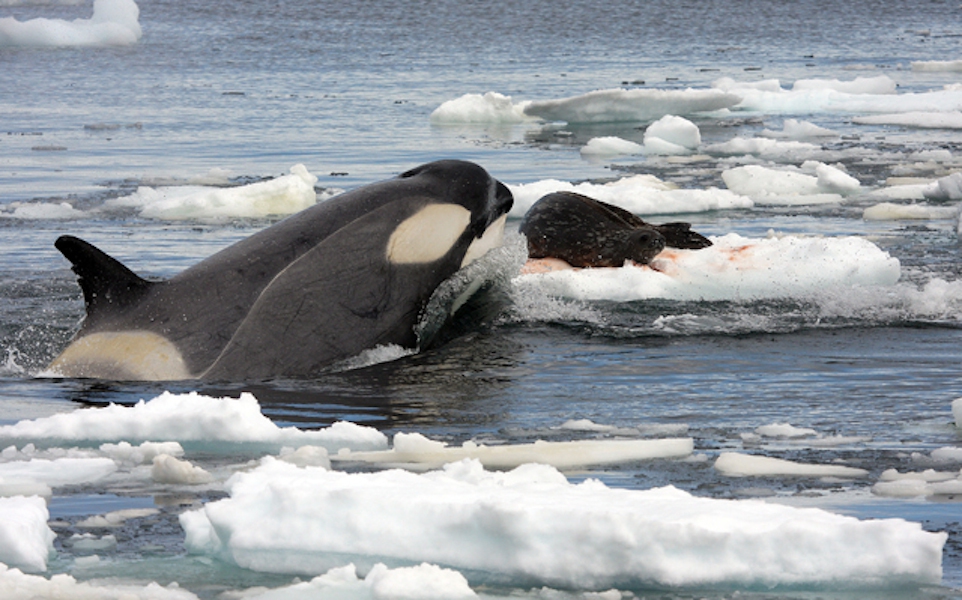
<point>228,94</point>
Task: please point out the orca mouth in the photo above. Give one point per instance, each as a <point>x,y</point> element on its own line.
<point>490,239</point>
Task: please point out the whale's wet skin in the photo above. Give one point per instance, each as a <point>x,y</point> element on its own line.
<point>808,358</point>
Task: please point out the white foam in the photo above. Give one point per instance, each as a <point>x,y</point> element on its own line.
<point>491,107</point>
<point>420,582</point>
<point>192,418</point>
<point>922,120</point>
<point>283,195</point>
<point>640,194</point>
<point>25,540</point>
<point>416,451</point>
<point>620,105</point>
<point>734,464</point>
<point>531,525</point>
<point>733,268</point>
<point>114,23</point>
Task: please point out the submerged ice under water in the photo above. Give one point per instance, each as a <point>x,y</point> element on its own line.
<point>784,401</point>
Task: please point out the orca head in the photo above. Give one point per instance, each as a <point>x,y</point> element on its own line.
<point>466,215</point>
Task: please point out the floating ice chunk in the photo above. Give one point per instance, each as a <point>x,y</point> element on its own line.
<point>957,411</point>
<point>610,146</point>
<point>888,211</point>
<point>14,585</point>
<point>124,452</point>
<point>190,418</point>
<point>672,135</point>
<point>764,147</point>
<point>945,188</point>
<point>922,120</point>
<point>883,84</point>
<point>114,23</point>
<point>926,483</point>
<point>640,194</point>
<point>734,464</point>
<point>532,526</point>
<point>937,65</point>
<point>168,469</point>
<point>115,518</point>
<point>415,450</point>
<point>948,454</point>
<point>306,456</point>
<point>41,211</point>
<point>25,539</point>
<point>88,543</point>
<point>793,129</point>
<point>58,472</point>
<point>422,582</point>
<point>784,430</point>
<point>620,105</point>
<point>283,195</point>
<point>733,268</point>
<point>491,107</point>
<point>834,180</point>
<point>790,187</point>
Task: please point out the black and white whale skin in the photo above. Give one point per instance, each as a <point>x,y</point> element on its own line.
<point>323,285</point>
<point>585,232</point>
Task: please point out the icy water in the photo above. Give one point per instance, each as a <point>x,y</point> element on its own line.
<point>235,93</point>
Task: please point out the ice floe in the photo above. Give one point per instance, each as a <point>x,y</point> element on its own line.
<point>531,524</point>
<point>413,450</point>
<point>26,542</point>
<point>640,194</point>
<point>922,120</point>
<point>733,268</point>
<point>669,135</point>
<point>490,107</point>
<point>114,23</point>
<point>16,584</point>
<point>189,418</point>
<point>620,105</point>
<point>813,183</point>
<point>735,464</point>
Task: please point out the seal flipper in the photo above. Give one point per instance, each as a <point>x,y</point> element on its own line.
<point>108,286</point>
<point>680,235</point>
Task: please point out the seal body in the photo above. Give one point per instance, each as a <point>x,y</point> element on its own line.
<point>338,278</point>
<point>585,232</point>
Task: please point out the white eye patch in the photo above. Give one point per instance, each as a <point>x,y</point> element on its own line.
<point>428,234</point>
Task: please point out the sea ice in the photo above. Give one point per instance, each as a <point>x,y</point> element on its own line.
<point>937,65</point>
<point>15,584</point>
<point>784,430</point>
<point>734,464</point>
<point>733,268</point>
<point>945,188</point>
<point>640,194</point>
<point>168,469</point>
<point>41,211</point>
<point>283,195</point>
<point>531,525</point>
<point>790,186</point>
<point>793,129</point>
<point>190,418</point>
<point>610,146</point>
<point>922,120</point>
<point>620,105</point>
<point>672,135</point>
<point>413,450</point>
<point>25,539</point>
<point>58,472</point>
<point>492,107</point>
<point>957,411</point>
<point>114,23</point>
<point>889,211</point>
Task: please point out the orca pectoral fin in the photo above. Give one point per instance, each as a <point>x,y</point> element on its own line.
<point>107,284</point>
<point>680,235</point>
<point>338,299</point>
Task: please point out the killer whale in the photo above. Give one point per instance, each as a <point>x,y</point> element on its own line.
<point>585,232</point>
<point>323,285</point>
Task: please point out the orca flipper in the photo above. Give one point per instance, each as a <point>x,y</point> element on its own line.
<point>108,286</point>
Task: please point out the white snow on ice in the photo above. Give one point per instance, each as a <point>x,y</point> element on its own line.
<point>114,23</point>
<point>532,524</point>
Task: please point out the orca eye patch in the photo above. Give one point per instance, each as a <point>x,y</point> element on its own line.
<point>428,234</point>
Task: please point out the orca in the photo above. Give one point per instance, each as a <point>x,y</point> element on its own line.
<point>323,285</point>
<point>585,232</point>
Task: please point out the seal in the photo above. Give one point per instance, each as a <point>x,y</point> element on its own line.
<point>584,232</point>
<point>323,285</point>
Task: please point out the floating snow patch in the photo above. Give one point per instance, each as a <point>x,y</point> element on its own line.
<point>639,194</point>
<point>791,186</point>
<point>491,107</point>
<point>283,195</point>
<point>25,540</point>
<point>421,582</point>
<point>114,23</point>
<point>190,418</point>
<point>620,105</point>
<point>610,146</point>
<point>937,65</point>
<point>889,211</point>
<point>921,120</point>
<point>734,464</point>
<point>532,526</point>
<point>416,451</point>
<point>16,584</point>
<point>733,268</point>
